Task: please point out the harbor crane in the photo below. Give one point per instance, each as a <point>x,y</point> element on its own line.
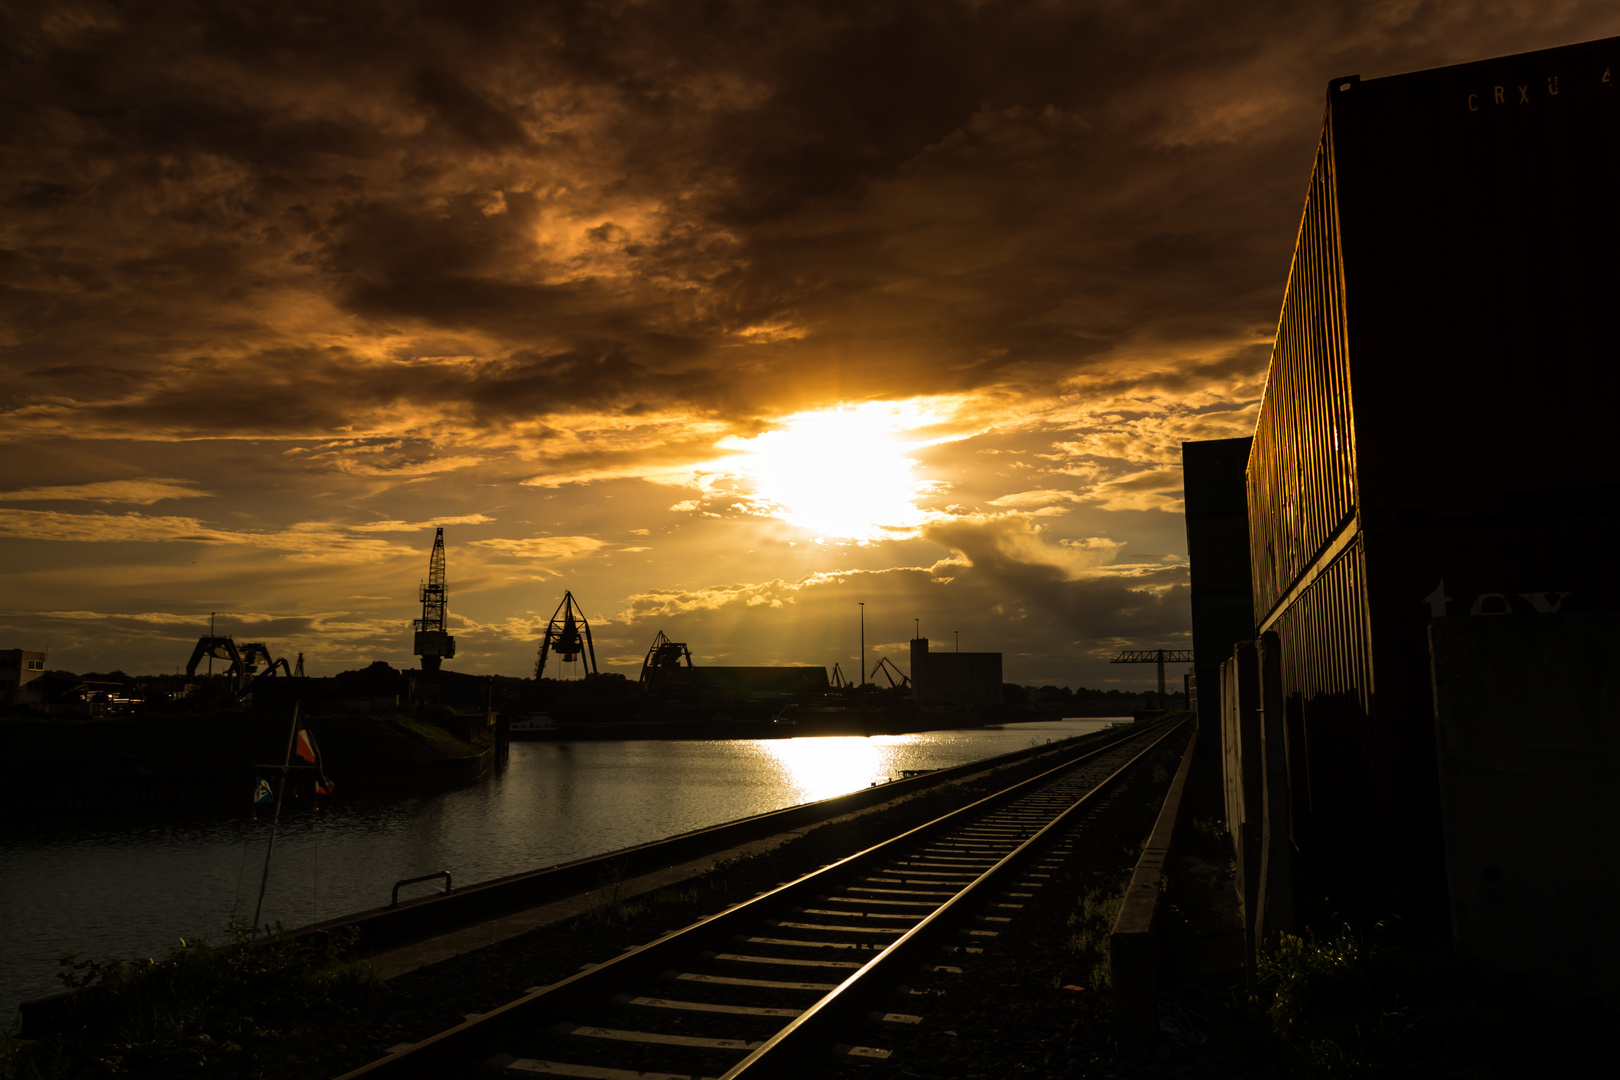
<point>1152,656</point>
<point>245,660</point>
<point>666,674</point>
<point>886,666</point>
<point>433,644</point>
<point>663,656</point>
<point>569,636</point>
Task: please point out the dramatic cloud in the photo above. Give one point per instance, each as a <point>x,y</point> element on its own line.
<point>138,492</point>
<point>730,317</point>
<point>541,547</point>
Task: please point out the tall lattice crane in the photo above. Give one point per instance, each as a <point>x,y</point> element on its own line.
<point>433,644</point>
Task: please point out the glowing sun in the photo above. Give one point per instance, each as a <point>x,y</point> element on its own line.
<point>842,473</point>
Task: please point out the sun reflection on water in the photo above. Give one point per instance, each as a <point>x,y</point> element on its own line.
<point>829,765</point>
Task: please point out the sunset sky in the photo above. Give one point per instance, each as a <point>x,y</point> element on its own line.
<point>727,317</point>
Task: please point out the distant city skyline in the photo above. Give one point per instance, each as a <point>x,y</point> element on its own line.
<point>727,327</point>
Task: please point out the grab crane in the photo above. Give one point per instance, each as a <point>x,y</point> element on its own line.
<point>886,666</point>
<point>568,635</point>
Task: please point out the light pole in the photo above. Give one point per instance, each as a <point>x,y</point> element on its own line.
<point>958,634</point>
<point>863,643</point>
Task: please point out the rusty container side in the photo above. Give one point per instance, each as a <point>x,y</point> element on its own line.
<point>1308,567</point>
<point>1480,241</point>
<point>1327,701</point>
<point>1301,476</point>
<point>1433,440</point>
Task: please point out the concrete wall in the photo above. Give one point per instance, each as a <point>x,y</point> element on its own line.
<point>1222,597</point>
<point>1529,749</point>
<point>1254,778</point>
<point>1243,778</point>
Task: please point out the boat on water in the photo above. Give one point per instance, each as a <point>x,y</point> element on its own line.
<point>535,724</point>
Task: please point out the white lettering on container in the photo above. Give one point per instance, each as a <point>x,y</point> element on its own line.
<point>1437,600</point>
<point>1498,95</point>
<point>1524,94</point>
<point>1542,603</point>
<point>1552,85</point>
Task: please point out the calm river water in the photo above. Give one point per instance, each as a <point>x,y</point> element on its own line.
<point>126,888</point>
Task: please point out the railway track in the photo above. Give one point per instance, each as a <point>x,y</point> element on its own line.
<point>794,974</point>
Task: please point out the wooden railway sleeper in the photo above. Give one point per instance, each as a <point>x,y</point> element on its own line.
<point>459,1047</point>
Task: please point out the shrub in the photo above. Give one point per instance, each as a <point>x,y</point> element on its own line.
<point>192,1008</point>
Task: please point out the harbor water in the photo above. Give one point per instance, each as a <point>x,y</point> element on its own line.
<point>124,887</point>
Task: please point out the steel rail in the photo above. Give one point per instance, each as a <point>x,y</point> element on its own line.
<point>472,1040</point>
<point>857,990</point>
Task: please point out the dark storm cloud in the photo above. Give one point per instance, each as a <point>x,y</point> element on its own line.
<point>1092,605</point>
<point>294,393</point>
<point>603,376</point>
<point>536,265</point>
<point>460,112</point>
<point>786,198</point>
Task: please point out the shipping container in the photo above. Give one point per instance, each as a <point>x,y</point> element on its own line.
<point>1433,439</point>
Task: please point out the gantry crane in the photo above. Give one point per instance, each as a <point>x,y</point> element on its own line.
<point>433,644</point>
<point>1158,656</point>
<point>245,660</point>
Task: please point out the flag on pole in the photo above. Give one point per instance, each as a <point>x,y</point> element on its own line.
<point>262,792</point>
<point>305,748</point>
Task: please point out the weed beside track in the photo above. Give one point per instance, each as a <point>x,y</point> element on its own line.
<point>258,1033</point>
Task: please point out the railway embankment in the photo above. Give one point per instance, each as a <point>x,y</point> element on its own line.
<point>1040,1002</point>
<point>432,928</point>
<point>616,910</point>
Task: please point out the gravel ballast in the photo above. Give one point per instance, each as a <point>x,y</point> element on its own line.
<point>1010,1014</point>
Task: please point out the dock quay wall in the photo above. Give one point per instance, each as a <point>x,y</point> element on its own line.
<point>26,798</point>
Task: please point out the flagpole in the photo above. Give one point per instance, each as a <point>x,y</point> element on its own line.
<point>275,820</point>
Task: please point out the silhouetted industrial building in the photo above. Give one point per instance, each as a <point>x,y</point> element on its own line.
<point>18,668</point>
<point>759,683</point>
<point>1217,514</point>
<point>955,678</point>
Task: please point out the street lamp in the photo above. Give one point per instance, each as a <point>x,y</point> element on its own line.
<point>863,643</point>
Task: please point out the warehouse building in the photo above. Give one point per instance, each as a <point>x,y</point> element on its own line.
<point>955,678</point>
